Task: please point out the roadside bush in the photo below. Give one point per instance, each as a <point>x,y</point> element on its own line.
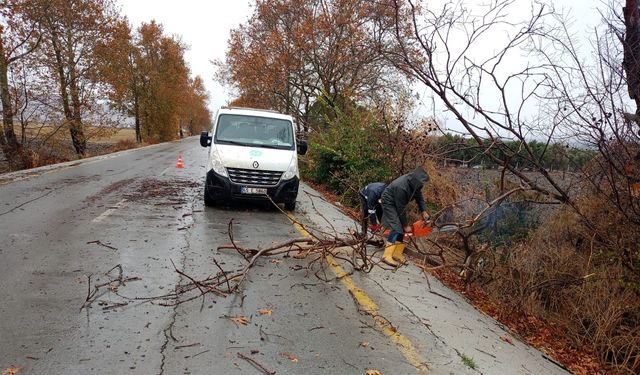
<point>347,155</point>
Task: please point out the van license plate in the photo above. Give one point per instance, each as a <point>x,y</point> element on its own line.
<point>251,190</point>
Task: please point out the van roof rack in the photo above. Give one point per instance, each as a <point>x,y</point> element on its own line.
<point>250,109</point>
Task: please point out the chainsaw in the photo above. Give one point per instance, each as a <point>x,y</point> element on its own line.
<point>423,228</point>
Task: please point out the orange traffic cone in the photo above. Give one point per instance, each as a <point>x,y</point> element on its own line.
<point>179,165</point>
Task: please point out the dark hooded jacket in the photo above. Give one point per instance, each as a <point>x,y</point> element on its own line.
<point>397,196</point>
<point>370,201</point>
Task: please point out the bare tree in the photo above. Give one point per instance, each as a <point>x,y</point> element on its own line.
<point>71,32</point>
<point>19,37</point>
<point>566,90</point>
<point>486,95</point>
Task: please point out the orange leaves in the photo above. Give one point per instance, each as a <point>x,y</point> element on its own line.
<point>240,320</point>
<point>290,357</point>
<point>11,370</point>
<point>265,311</point>
<point>506,339</point>
<point>292,49</point>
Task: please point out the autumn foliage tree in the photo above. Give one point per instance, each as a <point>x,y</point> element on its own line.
<point>71,32</point>
<point>195,116</point>
<point>68,65</point>
<point>292,54</point>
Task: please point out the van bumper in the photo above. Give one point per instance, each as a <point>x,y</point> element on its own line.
<point>221,188</point>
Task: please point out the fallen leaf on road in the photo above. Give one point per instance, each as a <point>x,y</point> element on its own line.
<point>506,339</point>
<point>276,261</point>
<point>238,320</point>
<point>302,254</point>
<point>11,370</point>
<point>288,356</point>
<point>364,344</point>
<point>374,372</point>
<point>265,311</point>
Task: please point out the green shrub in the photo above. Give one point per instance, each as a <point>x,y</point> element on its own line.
<point>347,154</point>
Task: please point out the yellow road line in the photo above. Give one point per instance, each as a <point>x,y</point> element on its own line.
<point>368,305</point>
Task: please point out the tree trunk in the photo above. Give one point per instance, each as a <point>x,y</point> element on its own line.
<point>76,126</point>
<point>11,147</point>
<point>136,110</point>
<point>631,62</point>
<point>69,93</point>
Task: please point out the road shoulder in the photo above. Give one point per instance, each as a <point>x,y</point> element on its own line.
<point>474,337</point>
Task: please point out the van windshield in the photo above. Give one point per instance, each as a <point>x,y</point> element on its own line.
<point>254,131</point>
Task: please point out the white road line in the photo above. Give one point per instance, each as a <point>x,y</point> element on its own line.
<point>109,211</point>
<point>165,171</point>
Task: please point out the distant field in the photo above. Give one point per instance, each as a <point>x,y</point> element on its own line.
<point>97,135</point>
<point>116,135</point>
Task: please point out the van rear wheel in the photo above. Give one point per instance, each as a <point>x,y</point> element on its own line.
<point>290,206</point>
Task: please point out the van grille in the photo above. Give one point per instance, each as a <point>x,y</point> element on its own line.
<point>254,177</point>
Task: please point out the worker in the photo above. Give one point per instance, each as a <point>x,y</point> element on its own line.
<point>371,205</point>
<point>395,199</point>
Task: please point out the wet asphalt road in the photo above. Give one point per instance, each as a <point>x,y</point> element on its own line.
<point>138,211</point>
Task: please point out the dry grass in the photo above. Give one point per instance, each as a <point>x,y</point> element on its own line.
<point>50,145</point>
<point>569,274</point>
<point>100,135</point>
<point>584,281</point>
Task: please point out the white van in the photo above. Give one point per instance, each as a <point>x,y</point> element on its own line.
<point>254,154</point>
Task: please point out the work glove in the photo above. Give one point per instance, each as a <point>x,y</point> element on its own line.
<point>426,217</point>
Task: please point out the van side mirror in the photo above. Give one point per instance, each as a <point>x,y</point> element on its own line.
<point>302,147</point>
<point>205,139</point>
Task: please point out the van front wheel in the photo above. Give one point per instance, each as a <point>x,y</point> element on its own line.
<point>208,199</point>
<point>290,206</point>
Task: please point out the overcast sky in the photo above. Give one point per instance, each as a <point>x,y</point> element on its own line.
<point>204,25</point>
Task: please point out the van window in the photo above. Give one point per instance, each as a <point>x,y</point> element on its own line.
<point>254,131</point>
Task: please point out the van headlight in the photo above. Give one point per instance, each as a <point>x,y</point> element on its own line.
<point>291,171</point>
<point>215,163</point>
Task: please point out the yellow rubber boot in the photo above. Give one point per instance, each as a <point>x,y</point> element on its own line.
<point>398,252</point>
<point>387,257</point>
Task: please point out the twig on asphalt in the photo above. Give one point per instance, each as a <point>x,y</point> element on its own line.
<point>112,285</point>
<point>255,364</point>
<point>202,352</point>
<point>98,242</point>
<point>226,279</point>
<point>115,306</point>
<point>489,354</point>
<point>187,345</point>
